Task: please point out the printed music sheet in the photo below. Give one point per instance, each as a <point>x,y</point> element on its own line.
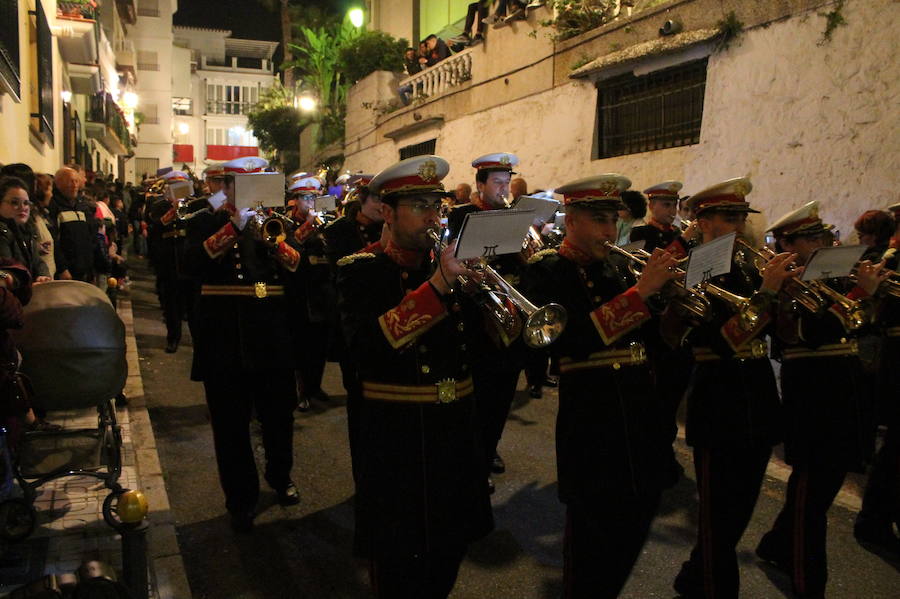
<point>252,188</point>
<point>543,208</point>
<point>493,233</point>
<point>710,260</point>
<point>830,262</point>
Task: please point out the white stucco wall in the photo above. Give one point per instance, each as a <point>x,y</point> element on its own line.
<point>804,121</point>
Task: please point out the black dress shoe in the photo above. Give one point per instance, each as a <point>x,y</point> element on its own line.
<point>171,347</point>
<point>535,392</point>
<point>551,382</point>
<point>772,551</point>
<point>320,396</point>
<point>498,466</point>
<point>878,536</point>
<point>289,495</point>
<point>241,521</point>
<point>303,404</point>
<point>491,487</point>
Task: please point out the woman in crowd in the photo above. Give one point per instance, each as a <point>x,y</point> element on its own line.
<point>18,241</point>
<point>43,184</point>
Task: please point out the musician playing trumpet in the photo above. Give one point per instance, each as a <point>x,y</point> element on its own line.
<point>733,409</point>
<point>611,439</point>
<point>828,425</point>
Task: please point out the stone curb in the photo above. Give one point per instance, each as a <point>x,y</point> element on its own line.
<point>168,577</point>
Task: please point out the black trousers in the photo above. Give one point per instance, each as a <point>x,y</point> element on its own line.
<point>232,398</point>
<point>881,500</point>
<point>479,10</point>
<point>728,482</point>
<point>176,295</point>
<point>311,363</point>
<point>798,536</point>
<point>495,390</point>
<point>429,576</point>
<point>602,543</point>
<point>536,363</point>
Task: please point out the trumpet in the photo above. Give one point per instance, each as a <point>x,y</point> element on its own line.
<point>802,292</point>
<point>503,302</point>
<point>270,228</point>
<point>890,286</point>
<point>692,300</point>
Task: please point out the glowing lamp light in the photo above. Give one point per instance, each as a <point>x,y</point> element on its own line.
<point>356,17</point>
<point>307,103</point>
<point>66,96</point>
<point>130,99</point>
<point>184,128</point>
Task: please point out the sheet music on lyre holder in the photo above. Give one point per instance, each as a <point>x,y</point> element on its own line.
<point>493,233</point>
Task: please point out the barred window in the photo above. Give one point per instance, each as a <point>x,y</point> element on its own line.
<point>10,77</point>
<point>663,109</point>
<point>148,8</point>
<point>183,106</point>
<point>43,106</point>
<point>147,60</point>
<point>420,149</point>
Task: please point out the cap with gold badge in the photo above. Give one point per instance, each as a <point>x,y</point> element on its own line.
<point>245,165</point>
<point>727,196</point>
<point>306,186</point>
<point>502,161</point>
<point>413,176</point>
<point>667,190</point>
<point>603,192</point>
<point>803,221</point>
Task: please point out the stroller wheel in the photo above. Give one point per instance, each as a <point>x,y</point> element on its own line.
<point>17,519</point>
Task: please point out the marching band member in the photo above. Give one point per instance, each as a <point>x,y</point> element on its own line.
<point>880,511</point>
<point>663,205</point>
<point>495,379</point>
<point>421,495</point>
<point>733,410</point>
<point>827,416</point>
<point>610,436</point>
<point>242,346</point>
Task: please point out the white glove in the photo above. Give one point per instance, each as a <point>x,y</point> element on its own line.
<point>241,218</point>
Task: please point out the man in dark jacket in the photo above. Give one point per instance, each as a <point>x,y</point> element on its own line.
<point>75,228</point>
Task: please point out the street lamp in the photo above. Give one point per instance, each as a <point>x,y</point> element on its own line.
<point>130,100</point>
<point>66,96</point>
<point>183,128</point>
<point>306,103</point>
<point>356,17</point>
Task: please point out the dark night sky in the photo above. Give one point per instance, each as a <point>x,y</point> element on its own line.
<point>245,18</point>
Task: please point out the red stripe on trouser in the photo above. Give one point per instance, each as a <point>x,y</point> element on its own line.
<point>706,535</point>
<point>800,532</point>
<point>568,551</point>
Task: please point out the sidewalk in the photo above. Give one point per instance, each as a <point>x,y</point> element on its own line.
<point>70,527</point>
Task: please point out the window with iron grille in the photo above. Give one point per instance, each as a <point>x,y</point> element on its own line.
<point>9,47</point>
<point>43,109</point>
<point>183,106</point>
<point>420,149</point>
<point>148,8</point>
<point>659,110</point>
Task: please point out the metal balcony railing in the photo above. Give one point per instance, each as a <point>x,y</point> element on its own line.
<point>104,110</point>
<point>446,74</point>
<point>223,107</point>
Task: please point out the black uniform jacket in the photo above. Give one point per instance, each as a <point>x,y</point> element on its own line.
<point>654,236</point>
<point>239,324</point>
<point>169,231</point>
<point>421,482</point>
<point>349,234</point>
<point>732,400</point>
<point>828,412</point>
<point>610,436</point>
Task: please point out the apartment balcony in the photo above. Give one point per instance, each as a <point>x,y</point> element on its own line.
<point>441,77</point>
<point>233,108</point>
<point>126,56</point>
<point>106,123</point>
<point>127,11</point>
<point>77,32</point>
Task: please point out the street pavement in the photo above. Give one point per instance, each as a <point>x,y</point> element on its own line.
<point>305,550</point>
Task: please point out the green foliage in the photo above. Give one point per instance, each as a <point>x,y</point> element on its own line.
<point>369,52</point>
<point>574,18</point>
<point>833,19</point>
<point>729,29</point>
<point>582,60</point>
<point>277,125</point>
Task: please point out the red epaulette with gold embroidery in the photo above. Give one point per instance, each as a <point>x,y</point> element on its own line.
<point>420,310</point>
<point>620,315</point>
<point>220,241</point>
<point>677,248</point>
<point>737,335</point>
<point>374,248</point>
<point>304,231</point>
<point>169,216</point>
<point>288,256</point>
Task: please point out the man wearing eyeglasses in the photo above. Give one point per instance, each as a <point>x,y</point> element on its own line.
<point>421,494</point>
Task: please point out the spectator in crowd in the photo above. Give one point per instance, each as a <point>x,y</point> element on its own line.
<point>75,226</point>
<point>517,187</point>
<point>437,49</point>
<point>17,239</point>
<point>475,197</point>
<point>476,18</point>
<point>423,55</point>
<point>500,16</point>
<point>40,213</point>
<point>461,194</point>
<point>136,218</point>
<point>684,211</point>
<point>411,66</point>
<point>632,215</point>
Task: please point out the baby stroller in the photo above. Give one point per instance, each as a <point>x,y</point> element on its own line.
<point>73,353</point>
